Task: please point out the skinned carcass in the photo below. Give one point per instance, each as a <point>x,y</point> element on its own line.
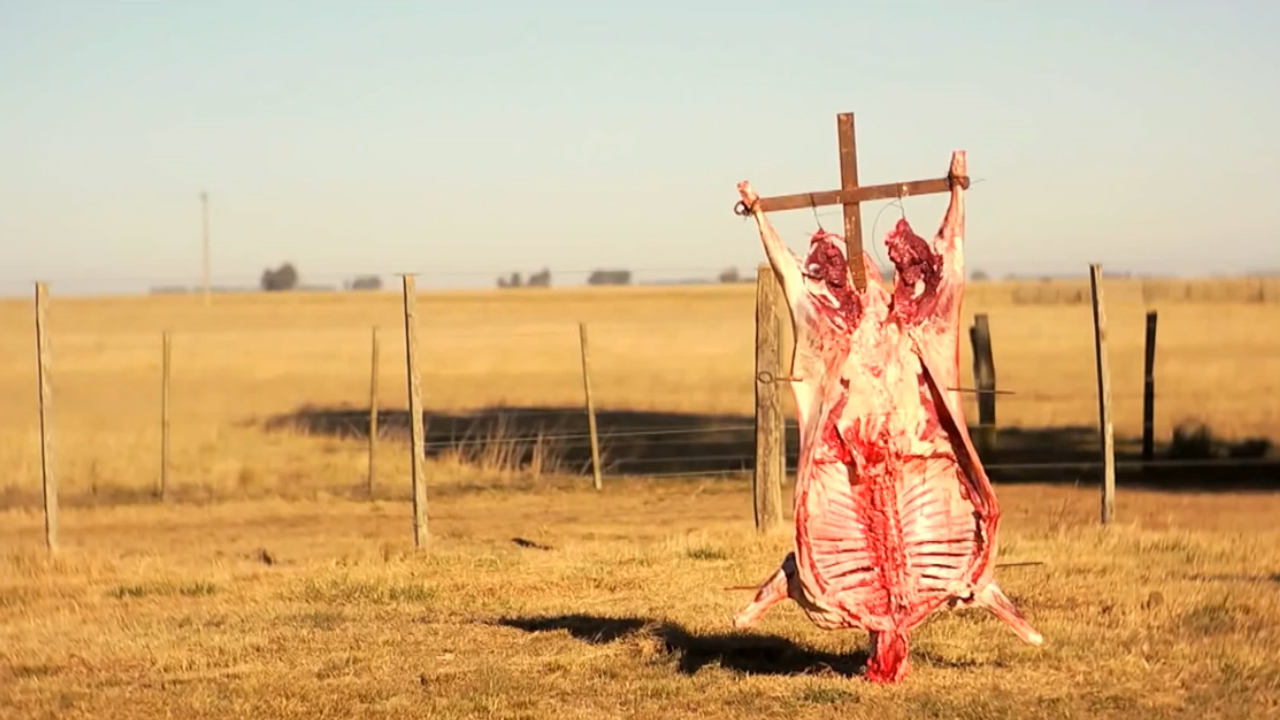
<point>894,514</point>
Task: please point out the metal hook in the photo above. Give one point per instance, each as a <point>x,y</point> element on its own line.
<point>1029,563</point>
<point>813,205</point>
<point>982,392</point>
<point>765,376</point>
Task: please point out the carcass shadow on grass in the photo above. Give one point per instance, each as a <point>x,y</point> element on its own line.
<point>656,444</point>
<point>748,653</point>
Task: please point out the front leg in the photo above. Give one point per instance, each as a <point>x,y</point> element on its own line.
<point>929,280</point>
<point>785,264</point>
<point>949,241</point>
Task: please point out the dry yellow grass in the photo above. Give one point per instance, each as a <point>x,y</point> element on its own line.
<point>172,609</point>
<point>614,607</point>
<point>659,349</point>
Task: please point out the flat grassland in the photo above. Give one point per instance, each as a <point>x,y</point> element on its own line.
<point>268,587</point>
<point>686,351</point>
<point>554,602</point>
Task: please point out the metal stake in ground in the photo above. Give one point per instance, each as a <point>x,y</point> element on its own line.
<point>851,195</point>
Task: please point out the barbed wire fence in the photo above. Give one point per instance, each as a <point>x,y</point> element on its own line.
<point>613,443</point>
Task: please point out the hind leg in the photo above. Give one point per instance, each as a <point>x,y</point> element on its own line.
<point>993,599</point>
<point>770,593</point>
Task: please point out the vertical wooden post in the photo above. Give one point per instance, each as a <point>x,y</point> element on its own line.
<point>373,414</point>
<point>48,479</point>
<point>1149,391</point>
<point>848,143</point>
<point>591,405</point>
<point>416,459</point>
<point>770,459</point>
<point>1104,396</point>
<point>204,244</point>
<point>984,378</point>
<point>166,350</point>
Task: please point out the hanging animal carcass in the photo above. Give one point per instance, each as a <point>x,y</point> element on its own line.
<point>894,514</point>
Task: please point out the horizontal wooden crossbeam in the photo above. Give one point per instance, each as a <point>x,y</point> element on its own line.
<point>851,195</point>
<point>893,191</point>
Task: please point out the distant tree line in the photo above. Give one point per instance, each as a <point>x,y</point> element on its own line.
<point>616,276</point>
<point>609,277</point>
<point>364,282</point>
<point>286,277</point>
<point>540,279</point>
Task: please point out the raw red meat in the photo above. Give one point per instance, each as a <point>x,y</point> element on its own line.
<point>894,515</point>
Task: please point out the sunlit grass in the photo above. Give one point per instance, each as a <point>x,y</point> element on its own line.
<point>270,586</point>
<point>613,605</point>
<point>688,350</point>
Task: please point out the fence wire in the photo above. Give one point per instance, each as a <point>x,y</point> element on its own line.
<point>235,376</point>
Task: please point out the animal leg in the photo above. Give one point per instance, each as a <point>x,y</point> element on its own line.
<point>993,599</point>
<point>770,593</point>
<point>786,266</point>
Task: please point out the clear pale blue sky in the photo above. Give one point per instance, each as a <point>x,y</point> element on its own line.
<point>463,140</point>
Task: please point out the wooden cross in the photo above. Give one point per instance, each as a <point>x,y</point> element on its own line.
<point>851,196</point>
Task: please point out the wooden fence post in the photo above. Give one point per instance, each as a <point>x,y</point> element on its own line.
<point>1149,391</point>
<point>984,378</point>
<point>1104,396</point>
<point>416,440</point>
<point>48,479</point>
<point>591,405</point>
<point>770,463</point>
<point>166,350</point>
<point>373,413</point>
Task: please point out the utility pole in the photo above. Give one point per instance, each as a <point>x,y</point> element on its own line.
<point>204,213</point>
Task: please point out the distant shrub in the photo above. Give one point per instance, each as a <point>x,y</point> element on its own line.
<point>284,277</point>
<point>609,277</point>
<point>1192,440</point>
<point>365,282</point>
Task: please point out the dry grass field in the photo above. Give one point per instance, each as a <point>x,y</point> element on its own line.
<point>269,587</point>
<point>549,601</point>
<point>663,352</point>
